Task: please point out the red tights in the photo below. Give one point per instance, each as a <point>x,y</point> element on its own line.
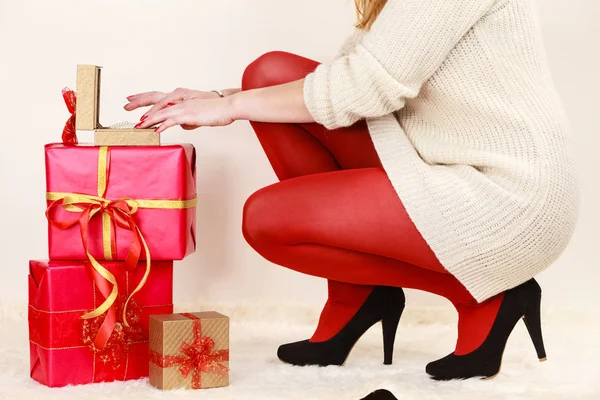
<point>334,214</point>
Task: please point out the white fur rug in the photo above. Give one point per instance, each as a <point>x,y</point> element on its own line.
<point>571,372</point>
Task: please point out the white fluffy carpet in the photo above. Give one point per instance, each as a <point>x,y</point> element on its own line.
<point>571,372</point>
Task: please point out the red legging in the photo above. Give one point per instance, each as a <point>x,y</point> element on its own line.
<point>336,215</point>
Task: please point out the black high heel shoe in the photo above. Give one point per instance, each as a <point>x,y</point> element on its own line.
<point>380,394</point>
<point>524,301</point>
<point>384,304</point>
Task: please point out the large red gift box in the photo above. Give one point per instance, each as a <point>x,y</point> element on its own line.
<point>63,346</point>
<point>121,198</point>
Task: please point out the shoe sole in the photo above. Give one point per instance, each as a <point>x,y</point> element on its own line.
<point>487,378</point>
<point>330,365</point>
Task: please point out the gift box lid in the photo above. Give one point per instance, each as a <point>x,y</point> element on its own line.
<point>88,97</point>
<point>168,330</point>
<point>87,114</point>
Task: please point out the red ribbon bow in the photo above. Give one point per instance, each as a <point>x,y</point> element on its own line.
<point>121,214</point>
<point>69,135</point>
<point>196,357</point>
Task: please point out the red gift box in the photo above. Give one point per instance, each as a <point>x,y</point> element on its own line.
<point>121,198</point>
<point>63,345</point>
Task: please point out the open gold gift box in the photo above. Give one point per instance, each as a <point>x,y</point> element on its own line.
<point>88,110</point>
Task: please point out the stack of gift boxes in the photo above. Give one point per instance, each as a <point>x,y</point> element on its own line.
<point>119,212</point>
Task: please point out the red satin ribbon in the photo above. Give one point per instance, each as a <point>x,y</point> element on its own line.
<point>196,357</point>
<point>69,135</point>
<point>121,215</point>
<point>117,347</point>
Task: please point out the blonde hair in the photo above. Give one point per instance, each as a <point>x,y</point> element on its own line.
<point>367,12</point>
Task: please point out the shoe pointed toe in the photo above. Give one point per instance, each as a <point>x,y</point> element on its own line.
<point>305,353</point>
<point>431,369</point>
<point>440,369</point>
<point>293,353</point>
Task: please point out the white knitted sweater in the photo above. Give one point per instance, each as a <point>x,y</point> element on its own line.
<point>463,113</point>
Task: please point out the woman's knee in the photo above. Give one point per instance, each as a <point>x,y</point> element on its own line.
<point>275,68</point>
<point>258,221</point>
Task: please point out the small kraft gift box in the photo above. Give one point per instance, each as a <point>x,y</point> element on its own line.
<point>189,350</point>
<point>88,113</point>
<point>84,328</point>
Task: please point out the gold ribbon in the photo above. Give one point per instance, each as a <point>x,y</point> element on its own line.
<point>163,204</point>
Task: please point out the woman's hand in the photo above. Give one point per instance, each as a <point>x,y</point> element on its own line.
<point>159,100</point>
<point>192,109</point>
<point>190,114</point>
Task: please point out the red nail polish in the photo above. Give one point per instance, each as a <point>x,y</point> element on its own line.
<point>156,130</point>
<point>138,125</point>
<point>170,104</point>
<point>143,118</point>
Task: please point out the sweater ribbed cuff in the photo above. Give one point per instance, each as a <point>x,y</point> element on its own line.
<point>315,97</point>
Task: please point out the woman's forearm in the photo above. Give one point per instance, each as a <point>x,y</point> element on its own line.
<point>281,103</point>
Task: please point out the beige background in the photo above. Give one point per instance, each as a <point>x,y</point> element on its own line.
<point>161,45</point>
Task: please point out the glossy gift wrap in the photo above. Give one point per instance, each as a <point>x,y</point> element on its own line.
<point>120,202</point>
<point>63,345</point>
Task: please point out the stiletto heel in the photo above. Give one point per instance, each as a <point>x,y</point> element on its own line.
<point>533,322</point>
<point>521,302</point>
<point>384,304</point>
<point>389,326</point>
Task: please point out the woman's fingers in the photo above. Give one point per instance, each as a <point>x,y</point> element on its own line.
<point>138,95</point>
<point>143,100</point>
<point>167,101</point>
<point>166,124</point>
<point>190,114</point>
<point>178,114</point>
<point>175,97</point>
<point>159,117</point>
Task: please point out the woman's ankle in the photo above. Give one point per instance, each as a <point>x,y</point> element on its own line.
<point>475,320</point>
<point>343,301</point>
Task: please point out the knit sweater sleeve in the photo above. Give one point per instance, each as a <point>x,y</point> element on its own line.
<point>407,43</point>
